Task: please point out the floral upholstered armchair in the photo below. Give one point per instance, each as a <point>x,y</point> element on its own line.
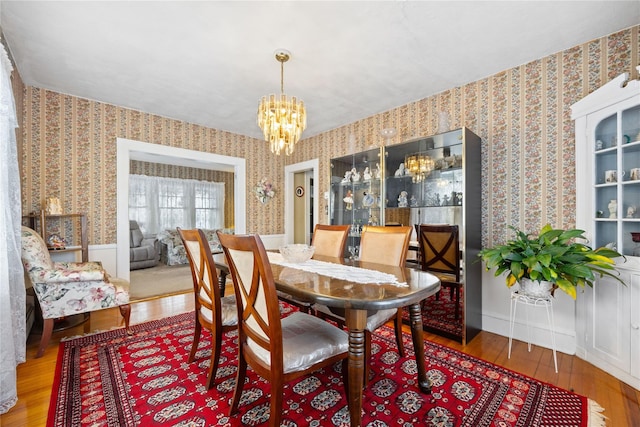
<point>172,250</point>
<point>68,288</point>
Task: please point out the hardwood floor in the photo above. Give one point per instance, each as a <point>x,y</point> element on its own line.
<point>621,402</point>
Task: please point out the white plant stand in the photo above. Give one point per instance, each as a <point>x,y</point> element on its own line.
<point>528,301</point>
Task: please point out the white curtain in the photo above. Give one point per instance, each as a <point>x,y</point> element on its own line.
<point>12,292</point>
<point>158,203</point>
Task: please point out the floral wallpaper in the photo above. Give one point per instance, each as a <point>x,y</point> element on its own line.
<point>524,119</point>
<point>521,114</point>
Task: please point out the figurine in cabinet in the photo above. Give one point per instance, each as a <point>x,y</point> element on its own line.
<point>348,199</point>
<point>366,175</point>
<point>631,212</point>
<point>347,177</point>
<point>400,171</point>
<point>355,175</point>
<point>376,173</point>
<point>402,199</point>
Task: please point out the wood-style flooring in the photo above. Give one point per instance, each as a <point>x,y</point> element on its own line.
<point>621,402</point>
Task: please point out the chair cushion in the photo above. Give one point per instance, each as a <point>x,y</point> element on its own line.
<point>65,272</point>
<point>306,340</point>
<point>136,238</point>
<point>229,310</point>
<point>374,319</point>
<point>142,253</point>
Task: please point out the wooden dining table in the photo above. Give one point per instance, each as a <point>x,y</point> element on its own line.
<point>354,301</point>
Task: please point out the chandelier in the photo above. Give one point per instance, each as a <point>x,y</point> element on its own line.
<point>419,166</point>
<point>282,119</point>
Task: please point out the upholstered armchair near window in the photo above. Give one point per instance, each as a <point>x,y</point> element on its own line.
<point>69,288</point>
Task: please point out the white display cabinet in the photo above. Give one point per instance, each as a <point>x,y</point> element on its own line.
<point>608,209</point>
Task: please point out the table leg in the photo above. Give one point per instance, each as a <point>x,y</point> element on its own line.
<point>222,281</point>
<point>356,322</point>
<point>418,344</point>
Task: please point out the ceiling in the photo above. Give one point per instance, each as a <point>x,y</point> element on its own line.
<point>209,63</point>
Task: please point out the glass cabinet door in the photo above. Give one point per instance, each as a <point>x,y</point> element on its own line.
<point>616,181</point>
<point>356,195</point>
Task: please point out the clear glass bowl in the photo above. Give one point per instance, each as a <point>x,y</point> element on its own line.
<point>297,252</point>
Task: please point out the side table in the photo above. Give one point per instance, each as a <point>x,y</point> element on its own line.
<point>529,301</point>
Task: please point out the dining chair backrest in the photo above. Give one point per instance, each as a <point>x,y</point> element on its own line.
<point>278,350</point>
<point>204,275</point>
<point>440,249</point>
<point>385,245</point>
<point>258,308</point>
<point>330,240</point>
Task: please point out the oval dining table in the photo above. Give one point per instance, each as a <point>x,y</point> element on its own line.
<point>354,301</point>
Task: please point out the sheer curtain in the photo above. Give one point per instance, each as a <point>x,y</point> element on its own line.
<point>166,203</point>
<point>12,292</point>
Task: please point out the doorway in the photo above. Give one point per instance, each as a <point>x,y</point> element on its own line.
<point>303,220</point>
<point>136,150</point>
<point>301,212</point>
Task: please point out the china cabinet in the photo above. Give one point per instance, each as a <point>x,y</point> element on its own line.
<point>356,195</point>
<point>607,199</point>
<point>70,231</point>
<point>435,180</point>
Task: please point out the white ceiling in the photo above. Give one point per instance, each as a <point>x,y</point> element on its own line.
<point>210,62</point>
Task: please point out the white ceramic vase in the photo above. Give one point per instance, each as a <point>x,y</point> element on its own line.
<point>535,289</point>
<point>613,208</point>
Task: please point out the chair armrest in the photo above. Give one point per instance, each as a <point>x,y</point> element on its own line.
<point>151,241</point>
<point>64,272</point>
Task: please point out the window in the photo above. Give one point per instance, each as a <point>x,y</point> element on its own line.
<point>166,203</point>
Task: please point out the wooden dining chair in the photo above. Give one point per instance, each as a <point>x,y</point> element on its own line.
<point>330,240</point>
<point>380,245</point>
<point>215,313</point>
<point>440,249</point>
<point>279,350</point>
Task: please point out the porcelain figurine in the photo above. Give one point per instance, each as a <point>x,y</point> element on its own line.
<point>402,199</point>
<point>366,175</point>
<point>348,200</point>
<point>613,208</point>
<point>400,171</point>
<point>347,177</point>
<point>355,175</point>
<point>631,212</point>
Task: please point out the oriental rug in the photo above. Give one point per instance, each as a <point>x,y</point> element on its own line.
<point>112,379</point>
<point>439,315</point>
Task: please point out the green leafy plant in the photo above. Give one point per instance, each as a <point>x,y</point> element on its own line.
<point>553,255</point>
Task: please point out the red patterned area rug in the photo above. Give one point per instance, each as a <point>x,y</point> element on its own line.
<point>111,379</point>
<point>439,315</point>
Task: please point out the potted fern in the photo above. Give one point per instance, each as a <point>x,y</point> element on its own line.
<point>551,260</point>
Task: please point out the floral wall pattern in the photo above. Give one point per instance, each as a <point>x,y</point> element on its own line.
<point>69,152</point>
<point>521,114</point>
<point>524,119</point>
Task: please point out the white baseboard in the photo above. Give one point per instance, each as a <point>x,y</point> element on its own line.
<point>107,255</point>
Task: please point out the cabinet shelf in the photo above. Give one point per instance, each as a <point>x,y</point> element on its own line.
<point>606,128</point>
<point>72,227</point>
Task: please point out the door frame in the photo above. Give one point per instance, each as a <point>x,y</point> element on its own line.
<point>289,193</point>
<point>128,150</point>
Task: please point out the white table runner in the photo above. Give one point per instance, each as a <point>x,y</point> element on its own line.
<point>338,271</point>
